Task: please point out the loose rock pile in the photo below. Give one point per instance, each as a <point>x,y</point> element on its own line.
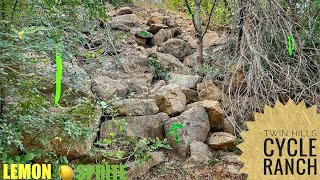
<point>154,105</point>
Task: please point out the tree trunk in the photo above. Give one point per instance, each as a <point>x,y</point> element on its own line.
<point>198,30</point>
<point>200,49</point>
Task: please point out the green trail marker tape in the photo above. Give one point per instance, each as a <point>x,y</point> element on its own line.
<point>174,128</point>
<point>190,11</point>
<point>290,44</point>
<point>58,74</point>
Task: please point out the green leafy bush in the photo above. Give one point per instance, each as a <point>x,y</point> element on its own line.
<point>121,146</point>
<point>29,32</point>
<point>161,74</point>
<point>118,3</point>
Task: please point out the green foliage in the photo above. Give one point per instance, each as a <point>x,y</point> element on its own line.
<point>207,70</point>
<point>174,4</point>
<point>121,146</point>
<point>118,3</point>
<point>161,73</point>
<point>311,23</point>
<point>222,13</point>
<point>215,158</point>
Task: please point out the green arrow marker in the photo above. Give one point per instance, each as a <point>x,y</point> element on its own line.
<point>174,128</point>
<point>190,11</point>
<point>290,44</point>
<point>58,74</point>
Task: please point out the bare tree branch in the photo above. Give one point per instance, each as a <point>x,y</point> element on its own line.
<point>209,19</point>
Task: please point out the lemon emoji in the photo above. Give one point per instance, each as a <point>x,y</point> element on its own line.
<point>66,172</point>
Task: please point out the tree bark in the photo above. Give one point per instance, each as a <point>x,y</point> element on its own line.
<point>198,31</point>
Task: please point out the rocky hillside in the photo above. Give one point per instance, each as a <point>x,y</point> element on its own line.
<point>152,75</point>
<point>147,77</point>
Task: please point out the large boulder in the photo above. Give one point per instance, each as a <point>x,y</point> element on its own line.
<point>200,154</point>
<point>75,83</point>
<point>107,88</point>
<point>161,36</point>
<point>170,99</point>
<point>187,81</point>
<point>155,18</point>
<point>177,47</point>
<point>169,21</point>
<point>154,28</point>
<point>196,128</point>
<point>221,140</point>
<point>58,139</point>
<point>140,126</point>
<point>210,38</point>
<point>137,170</point>
<point>169,63</point>
<point>136,107</point>
<point>124,22</point>
<point>193,61</point>
<point>214,111</point>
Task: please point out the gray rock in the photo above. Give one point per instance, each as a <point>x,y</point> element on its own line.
<point>170,99</point>
<point>155,18</point>
<point>177,47</point>
<point>138,170</point>
<point>136,107</point>
<point>200,155</point>
<point>127,72</point>
<point>75,81</point>
<point>167,20</point>
<point>187,81</point>
<point>196,128</point>
<point>170,63</point>
<point>124,22</point>
<point>151,126</point>
<point>214,112</point>
<point>107,88</point>
<point>154,28</point>
<point>161,36</point>
<point>147,126</point>
<point>69,147</point>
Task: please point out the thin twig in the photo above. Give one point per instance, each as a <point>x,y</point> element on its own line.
<point>209,19</point>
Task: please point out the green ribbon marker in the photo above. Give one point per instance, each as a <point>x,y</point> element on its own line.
<point>290,44</point>
<point>190,11</point>
<point>174,128</point>
<point>58,74</point>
